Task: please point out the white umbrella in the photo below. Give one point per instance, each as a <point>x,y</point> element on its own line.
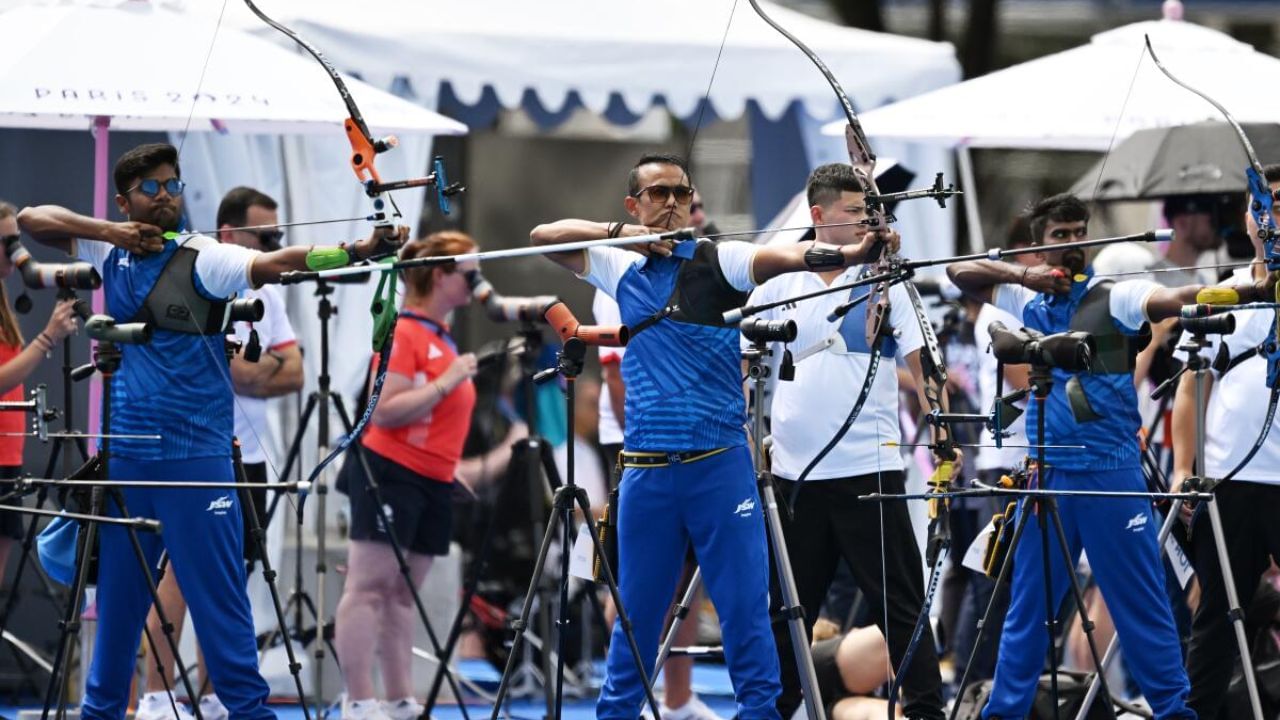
<point>1073,100</point>
<point>138,67</point>
<point>62,66</point>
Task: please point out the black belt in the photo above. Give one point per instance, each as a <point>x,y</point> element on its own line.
<point>643,459</point>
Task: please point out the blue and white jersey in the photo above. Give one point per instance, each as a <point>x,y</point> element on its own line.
<point>684,381</point>
<point>178,385</point>
<point>1110,441</point>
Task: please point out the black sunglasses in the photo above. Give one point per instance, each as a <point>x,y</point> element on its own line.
<point>662,193</point>
<point>151,187</point>
<point>268,238</point>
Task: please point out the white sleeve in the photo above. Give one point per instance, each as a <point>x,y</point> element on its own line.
<point>93,252</point>
<point>606,266</point>
<point>1012,298</point>
<point>278,327</point>
<point>1129,302</point>
<point>902,318</point>
<point>223,269</point>
<point>736,258</point>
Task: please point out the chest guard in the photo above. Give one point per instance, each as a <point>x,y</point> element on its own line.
<point>175,304</point>
<point>701,295</point>
<point>1115,352</point>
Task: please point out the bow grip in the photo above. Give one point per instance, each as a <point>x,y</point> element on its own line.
<point>383,307</point>
<point>940,482</point>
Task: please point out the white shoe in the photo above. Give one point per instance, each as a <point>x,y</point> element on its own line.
<point>695,709</point>
<point>211,708</point>
<point>159,706</point>
<point>363,710</point>
<point>403,709</point>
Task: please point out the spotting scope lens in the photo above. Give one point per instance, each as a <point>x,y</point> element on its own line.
<point>249,310</point>
<point>761,331</point>
<point>1069,351</point>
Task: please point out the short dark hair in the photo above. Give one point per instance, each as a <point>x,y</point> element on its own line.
<point>141,160</point>
<point>633,177</point>
<point>827,182</point>
<point>1271,172</point>
<point>234,208</point>
<point>1063,207</point>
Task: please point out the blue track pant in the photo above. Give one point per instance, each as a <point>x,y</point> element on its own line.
<point>1119,535</point>
<point>201,529</point>
<point>713,504</point>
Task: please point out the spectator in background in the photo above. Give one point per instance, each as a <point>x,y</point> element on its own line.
<point>16,364</point>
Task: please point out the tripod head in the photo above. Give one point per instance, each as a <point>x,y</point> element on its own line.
<point>569,362</point>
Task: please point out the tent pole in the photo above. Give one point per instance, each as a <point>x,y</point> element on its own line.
<point>101,155</point>
<point>965,162</point>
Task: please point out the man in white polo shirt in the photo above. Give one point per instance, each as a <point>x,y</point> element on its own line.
<point>1249,503</point>
<point>828,522</point>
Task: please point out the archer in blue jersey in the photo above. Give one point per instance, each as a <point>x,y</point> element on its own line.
<point>688,478</point>
<point>1098,409</point>
<point>177,387</point>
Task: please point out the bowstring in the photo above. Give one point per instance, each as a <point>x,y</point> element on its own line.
<point>1115,131</point>
<point>195,98</point>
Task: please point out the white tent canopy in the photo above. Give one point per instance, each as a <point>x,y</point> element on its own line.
<point>62,66</point>
<point>598,48</point>
<point>1081,98</point>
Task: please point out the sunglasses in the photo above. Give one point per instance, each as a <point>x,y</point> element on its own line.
<point>663,193</point>
<point>151,187</point>
<point>268,238</point>
<point>1064,233</point>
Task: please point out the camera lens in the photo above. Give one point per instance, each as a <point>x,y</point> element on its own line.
<point>245,310</point>
<point>761,330</point>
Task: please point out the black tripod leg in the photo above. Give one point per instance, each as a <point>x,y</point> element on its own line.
<point>1085,623</point>
<point>478,565</point>
<point>161,671</point>
<point>28,540</point>
<point>520,624</point>
<point>165,625</point>
<point>623,621</point>
<point>70,624</point>
<point>1051,609</point>
<point>269,575</point>
<point>1002,583</point>
<point>403,563</point>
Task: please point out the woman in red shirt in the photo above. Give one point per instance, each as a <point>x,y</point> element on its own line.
<point>412,448</point>
<point>16,363</point>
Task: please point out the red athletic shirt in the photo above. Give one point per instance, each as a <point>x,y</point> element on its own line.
<point>432,445</point>
<point>12,424</point>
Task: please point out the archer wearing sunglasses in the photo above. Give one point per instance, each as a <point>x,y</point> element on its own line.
<point>688,478</point>
<point>177,386</point>
<point>244,217</point>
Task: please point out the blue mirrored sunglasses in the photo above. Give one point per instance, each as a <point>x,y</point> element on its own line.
<point>151,187</point>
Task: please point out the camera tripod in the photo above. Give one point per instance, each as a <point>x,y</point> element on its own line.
<point>1198,365</point>
<point>1044,507</point>
<point>318,404</point>
<point>529,454</point>
<point>60,451</point>
<point>569,365</point>
<point>107,361</point>
<point>758,372</point>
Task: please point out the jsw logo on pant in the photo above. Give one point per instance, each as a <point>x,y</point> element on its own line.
<point>1137,522</point>
<point>220,506</point>
<point>745,507</point>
